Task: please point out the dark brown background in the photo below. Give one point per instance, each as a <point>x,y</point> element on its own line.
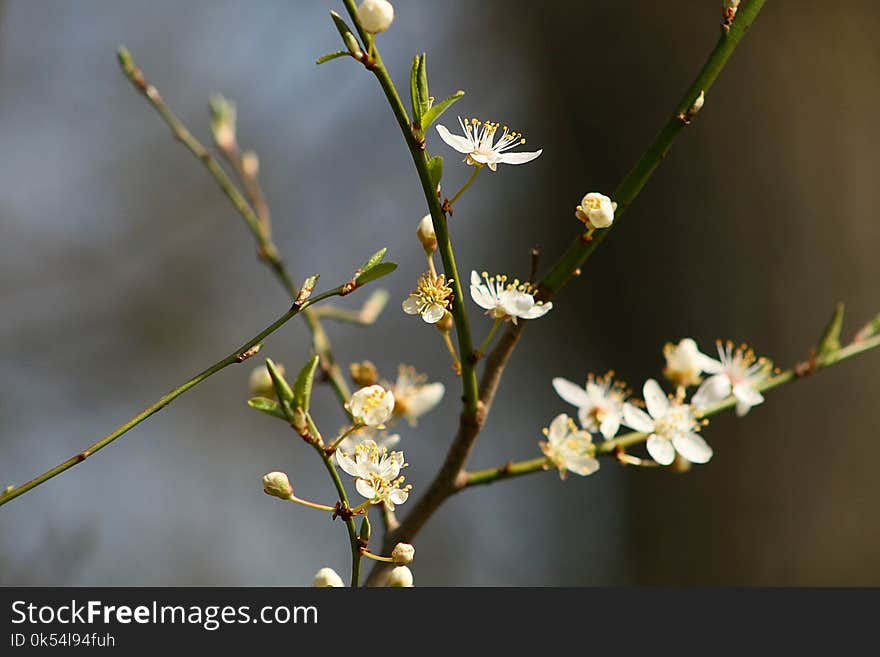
<point>123,270</point>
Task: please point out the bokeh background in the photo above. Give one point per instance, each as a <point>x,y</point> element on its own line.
<point>123,270</point>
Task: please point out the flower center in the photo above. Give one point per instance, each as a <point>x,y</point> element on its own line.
<point>433,291</point>
<point>676,421</point>
<point>482,135</point>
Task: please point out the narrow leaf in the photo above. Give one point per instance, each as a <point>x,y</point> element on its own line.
<point>374,273</point>
<point>435,169</point>
<point>414,91</point>
<point>869,330</point>
<point>829,344</point>
<point>282,388</point>
<point>341,25</point>
<point>364,533</point>
<point>267,406</point>
<point>424,96</point>
<point>374,260</point>
<point>302,387</point>
<point>332,55</point>
<point>434,113</point>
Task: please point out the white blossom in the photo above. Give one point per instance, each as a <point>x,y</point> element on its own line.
<point>431,298</point>
<point>596,210</point>
<point>327,578</point>
<point>737,373</point>
<point>599,403</point>
<point>371,406</point>
<point>376,16</point>
<point>480,147</point>
<point>508,301</point>
<point>376,473</point>
<point>359,436</point>
<point>413,395</point>
<point>685,362</point>
<point>569,449</point>
<point>671,426</point>
<point>403,554</point>
<point>400,577</point>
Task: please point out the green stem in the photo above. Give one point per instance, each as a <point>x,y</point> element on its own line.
<point>312,505</point>
<point>477,169</point>
<point>258,226</point>
<point>353,539</point>
<point>438,217</point>
<point>488,340</point>
<point>627,191</point>
<point>609,447</point>
<point>344,435</point>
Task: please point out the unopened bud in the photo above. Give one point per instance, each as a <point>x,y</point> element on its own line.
<point>403,554</point>
<point>278,485</point>
<point>401,577</point>
<point>352,45</point>
<point>426,234</point>
<point>250,163</point>
<point>730,8</point>
<point>596,210</point>
<point>364,374</point>
<point>327,578</point>
<point>306,290</point>
<point>300,423</point>
<point>223,118</point>
<point>446,322</point>
<point>260,382</point>
<point>376,15</point>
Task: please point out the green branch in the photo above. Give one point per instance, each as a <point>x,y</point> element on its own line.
<point>239,355</point>
<point>610,447</point>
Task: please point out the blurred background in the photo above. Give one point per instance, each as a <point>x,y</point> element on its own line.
<point>124,270</point>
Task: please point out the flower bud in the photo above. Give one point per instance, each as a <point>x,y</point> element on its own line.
<point>364,373</point>
<point>426,234</point>
<point>223,118</point>
<point>376,16</point>
<point>403,554</point>
<point>596,210</point>
<point>278,485</point>
<point>352,45</point>
<point>327,578</point>
<point>401,577</point>
<point>250,163</point>
<point>260,383</point>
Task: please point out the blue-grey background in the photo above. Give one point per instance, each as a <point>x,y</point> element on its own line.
<point>123,270</point>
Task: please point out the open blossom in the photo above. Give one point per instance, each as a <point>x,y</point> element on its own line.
<point>569,449</point>
<point>671,426</point>
<point>596,210</point>
<point>480,146</point>
<point>382,438</point>
<point>685,362</point>
<point>371,406</point>
<point>600,403</point>
<point>431,298</point>
<point>737,373</point>
<point>503,300</point>
<point>376,472</point>
<point>413,395</point>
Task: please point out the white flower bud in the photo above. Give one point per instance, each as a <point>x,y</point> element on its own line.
<point>376,15</point>
<point>596,210</point>
<point>278,485</point>
<point>426,234</point>
<point>327,578</point>
<point>260,382</point>
<point>401,577</point>
<point>403,554</point>
<point>372,405</point>
<point>684,362</point>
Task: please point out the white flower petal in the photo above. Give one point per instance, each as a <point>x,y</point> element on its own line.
<point>711,391</point>
<point>747,394</point>
<point>538,310</point>
<point>476,279</point>
<point>397,496</point>
<point>636,418</point>
<point>347,464</point>
<point>571,392</point>
<point>411,305</point>
<point>709,365</point>
<point>483,298</point>
<point>582,465</point>
<point>692,447</point>
<point>610,426</point>
<point>433,313</point>
<point>518,158</point>
<point>461,144</point>
<point>365,488</point>
<point>655,399</point>
<point>661,450</point>
<point>558,429</point>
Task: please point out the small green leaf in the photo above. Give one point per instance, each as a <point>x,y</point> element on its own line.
<point>331,56</point>
<point>425,100</point>
<point>374,260</point>
<point>829,344</point>
<point>267,406</point>
<point>364,533</point>
<point>414,91</point>
<point>435,170</point>
<point>869,330</point>
<point>374,273</point>
<point>302,387</point>
<point>341,25</point>
<point>434,113</point>
<point>282,388</point>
